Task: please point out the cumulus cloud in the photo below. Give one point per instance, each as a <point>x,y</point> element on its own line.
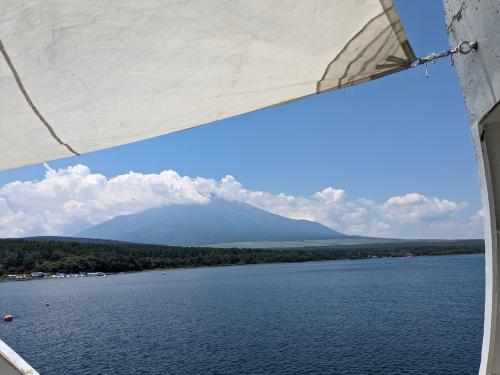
<point>68,200</point>
<point>413,207</point>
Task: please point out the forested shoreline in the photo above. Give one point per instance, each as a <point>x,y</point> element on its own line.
<point>18,256</point>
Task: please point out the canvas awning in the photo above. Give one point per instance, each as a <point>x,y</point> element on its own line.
<point>79,76</point>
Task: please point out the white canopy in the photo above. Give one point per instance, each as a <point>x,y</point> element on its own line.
<point>83,75</point>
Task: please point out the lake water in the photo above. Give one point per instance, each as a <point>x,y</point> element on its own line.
<point>421,315</point>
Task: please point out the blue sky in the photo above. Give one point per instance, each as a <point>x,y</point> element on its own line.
<point>390,137</point>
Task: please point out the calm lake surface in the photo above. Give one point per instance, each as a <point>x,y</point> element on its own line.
<point>421,315</point>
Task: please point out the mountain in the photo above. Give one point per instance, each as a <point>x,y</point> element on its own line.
<point>220,221</point>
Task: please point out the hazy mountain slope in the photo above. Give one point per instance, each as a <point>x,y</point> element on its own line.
<point>218,222</point>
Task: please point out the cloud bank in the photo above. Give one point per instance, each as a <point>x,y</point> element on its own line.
<point>69,200</point>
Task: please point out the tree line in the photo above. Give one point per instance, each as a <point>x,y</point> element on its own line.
<point>25,256</point>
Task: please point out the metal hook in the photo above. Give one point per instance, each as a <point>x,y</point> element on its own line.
<point>465,47</point>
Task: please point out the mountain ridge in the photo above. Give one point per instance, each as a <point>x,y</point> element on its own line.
<point>220,221</point>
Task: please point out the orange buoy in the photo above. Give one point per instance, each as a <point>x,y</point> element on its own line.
<point>7,318</point>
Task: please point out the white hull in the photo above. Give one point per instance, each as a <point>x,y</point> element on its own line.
<point>12,364</point>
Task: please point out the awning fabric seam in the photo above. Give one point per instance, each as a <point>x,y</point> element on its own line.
<point>318,84</point>
<point>30,102</point>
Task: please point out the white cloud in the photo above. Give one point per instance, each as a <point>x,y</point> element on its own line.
<point>413,207</point>
<point>68,200</point>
